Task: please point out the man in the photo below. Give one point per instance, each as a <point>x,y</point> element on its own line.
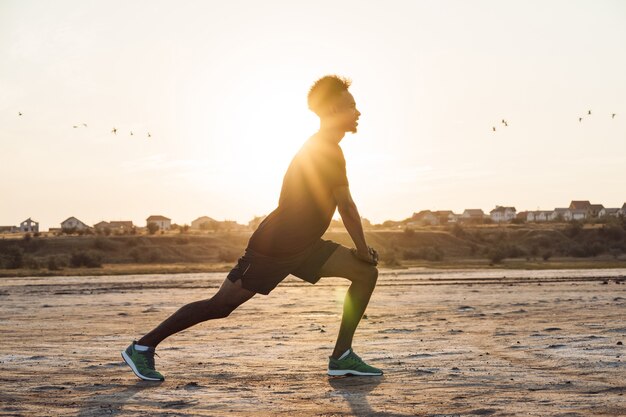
<point>289,241</point>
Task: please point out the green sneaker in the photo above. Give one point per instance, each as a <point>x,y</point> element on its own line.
<point>142,363</point>
<point>351,365</point>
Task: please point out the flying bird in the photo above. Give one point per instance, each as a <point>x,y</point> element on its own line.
<point>19,113</point>
<point>589,112</point>
<point>580,119</point>
<point>114,131</point>
<point>149,135</point>
<point>504,123</point>
<point>494,128</point>
<point>131,133</point>
<point>613,115</point>
<point>74,126</point>
<point>85,124</point>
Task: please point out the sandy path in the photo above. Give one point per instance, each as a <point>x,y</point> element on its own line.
<point>451,343</point>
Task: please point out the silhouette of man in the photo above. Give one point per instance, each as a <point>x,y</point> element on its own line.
<point>289,241</point>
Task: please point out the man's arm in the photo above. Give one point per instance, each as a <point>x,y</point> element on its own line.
<point>352,221</point>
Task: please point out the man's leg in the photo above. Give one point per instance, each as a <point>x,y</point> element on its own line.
<point>225,301</point>
<point>363,276</point>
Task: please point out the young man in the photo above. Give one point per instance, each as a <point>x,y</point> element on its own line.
<point>289,241</point>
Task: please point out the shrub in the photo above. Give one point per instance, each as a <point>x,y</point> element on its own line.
<point>27,237</point>
<point>458,231</point>
<point>497,255</point>
<point>153,228</point>
<point>612,232</point>
<point>56,263</point>
<point>89,259</point>
<point>14,257</point>
<point>103,244</point>
<point>546,255</point>
<point>573,228</point>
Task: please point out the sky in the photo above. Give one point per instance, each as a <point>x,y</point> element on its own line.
<point>221,88</point>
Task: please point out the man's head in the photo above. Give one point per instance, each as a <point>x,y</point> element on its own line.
<point>330,99</point>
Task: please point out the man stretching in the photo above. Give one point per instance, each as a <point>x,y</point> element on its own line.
<point>289,241</point>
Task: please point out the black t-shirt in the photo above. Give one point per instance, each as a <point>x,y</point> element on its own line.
<point>306,205</point>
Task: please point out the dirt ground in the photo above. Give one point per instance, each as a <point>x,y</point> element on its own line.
<point>451,343</point>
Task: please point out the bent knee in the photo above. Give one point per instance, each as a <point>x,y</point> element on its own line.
<point>367,275</point>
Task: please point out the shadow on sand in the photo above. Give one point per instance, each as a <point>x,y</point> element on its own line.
<point>355,390</point>
<point>112,401</point>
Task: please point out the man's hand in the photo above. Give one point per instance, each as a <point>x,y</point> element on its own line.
<point>371,256</point>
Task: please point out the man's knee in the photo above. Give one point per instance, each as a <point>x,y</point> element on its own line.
<point>366,275</point>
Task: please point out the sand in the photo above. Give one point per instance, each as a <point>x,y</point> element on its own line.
<point>451,343</point>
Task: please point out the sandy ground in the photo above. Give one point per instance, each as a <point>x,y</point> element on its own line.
<point>451,343</point>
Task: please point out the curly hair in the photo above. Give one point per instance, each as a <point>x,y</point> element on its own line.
<point>324,91</point>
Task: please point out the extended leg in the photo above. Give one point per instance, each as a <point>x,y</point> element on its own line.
<point>226,300</point>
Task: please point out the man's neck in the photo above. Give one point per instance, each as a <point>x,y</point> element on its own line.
<point>331,134</point>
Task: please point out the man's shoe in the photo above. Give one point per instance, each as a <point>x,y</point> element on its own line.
<point>351,365</point>
<point>142,363</point>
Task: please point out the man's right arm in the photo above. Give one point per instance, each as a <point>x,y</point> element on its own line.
<point>352,221</point>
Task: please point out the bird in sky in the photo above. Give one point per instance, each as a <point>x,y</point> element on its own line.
<point>19,113</point>
<point>504,122</point>
<point>149,135</point>
<point>131,133</point>
<point>580,119</point>
<point>114,131</point>
<point>613,115</point>
<point>74,126</point>
<point>85,124</point>
<point>589,112</point>
<point>493,128</point>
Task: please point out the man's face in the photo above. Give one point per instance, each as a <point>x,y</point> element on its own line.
<point>345,114</point>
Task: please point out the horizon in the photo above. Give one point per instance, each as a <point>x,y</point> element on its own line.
<point>335,218</point>
<point>221,90</point>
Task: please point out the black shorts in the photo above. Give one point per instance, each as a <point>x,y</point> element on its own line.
<point>261,274</point>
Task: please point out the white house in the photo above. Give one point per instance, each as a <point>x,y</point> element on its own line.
<point>594,210</point>
<point>29,225</point>
<point>558,214</point>
<point>539,216</point>
<point>446,216</point>
<point>573,214</point>
<point>163,222</point>
<point>613,212</point>
<point>424,217</point>
<point>72,223</point>
<point>502,214</point>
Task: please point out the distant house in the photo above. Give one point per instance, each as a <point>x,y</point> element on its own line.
<point>612,212</point>
<point>115,226</point>
<point>163,222</point>
<point>121,225</point>
<point>446,216</point>
<point>473,214</point>
<point>539,216</point>
<point>580,214</point>
<point>579,205</point>
<point>424,217</point>
<point>594,210</point>
<point>558,214</point>
<point>9,229</point>
<point>622,211</point>
<point>502,214</point>
<point>102,225</point>
<point>522,215</point>
<point>72,223</point>
<point>203,223</point>
<point>29,225</point>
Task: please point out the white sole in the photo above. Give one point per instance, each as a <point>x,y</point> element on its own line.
<point>341,372</point>
<point>135,371</point>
